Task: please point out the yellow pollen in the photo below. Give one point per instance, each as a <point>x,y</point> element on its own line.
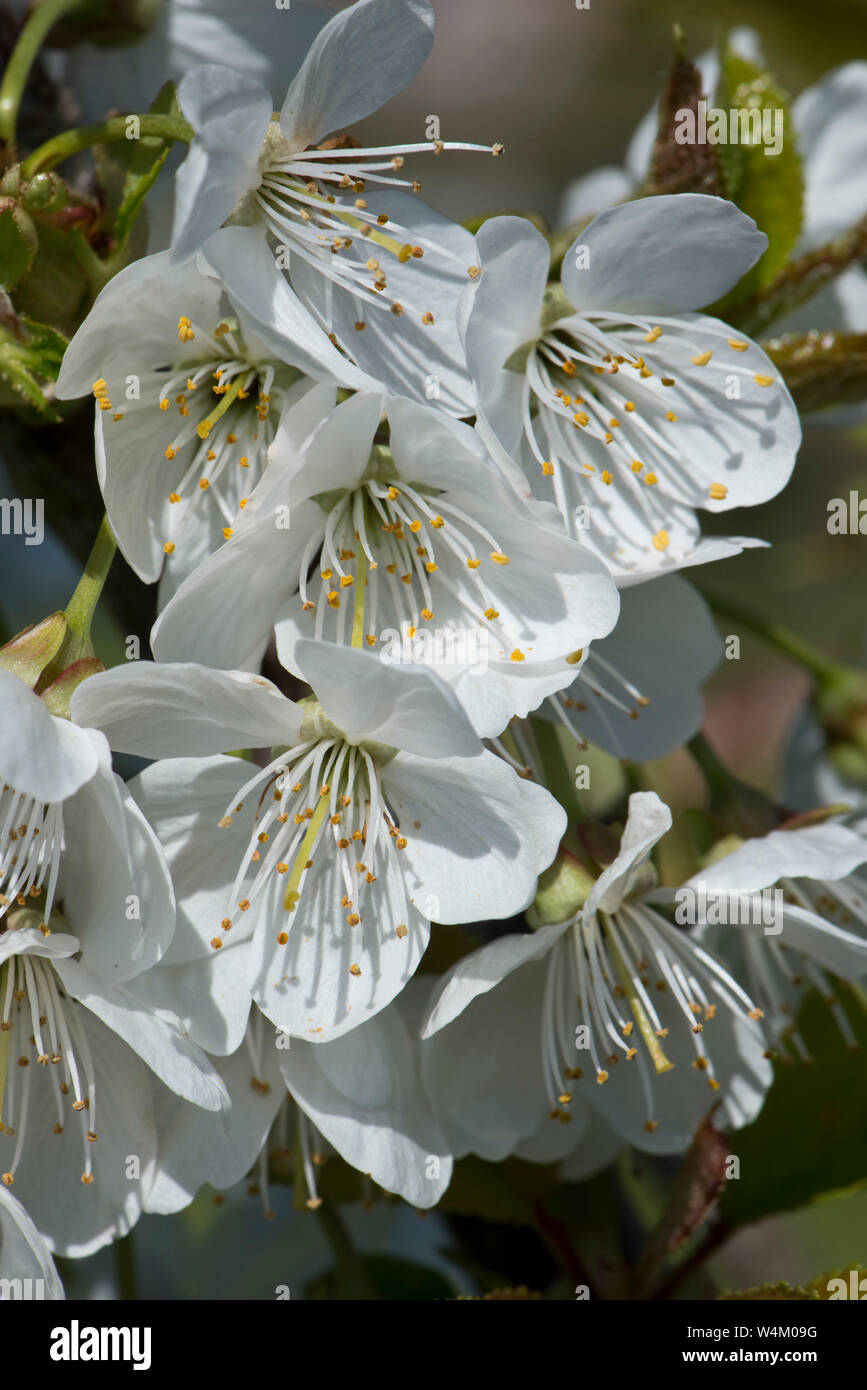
<point>491,614</point>
<point>718,491</point>
<point>169,547</point>
<point>547,469</point>
<point>701,359</point>
<point>499,558</point>
<point>737,345</point>
<point>517,655</point>
<point>661,540</point>
<point>174,497</point>
<point>653,335</point>
<point>170,452</point>
<point>763,380</point>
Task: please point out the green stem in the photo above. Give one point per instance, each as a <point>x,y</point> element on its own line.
<point>82,605</point>
<point>23,56</point>
<point>716,773</point>
<point>108,132</point>
<point>777,636</point>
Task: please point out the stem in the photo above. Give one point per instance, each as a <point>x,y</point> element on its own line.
<point>125,1273</point>
<point>82,605</point>
<point>777,636</point>
<point>716,773</point>
<point>81,137</point>
<point>22,59</point>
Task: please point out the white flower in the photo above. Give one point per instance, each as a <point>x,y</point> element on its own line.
<point>424,553</point>
<point>360,1095</point>
<point>602,1009</point>
<point>77,923</point>
<point>620,402</point>
<point>819,925</point>
<point>380,272</point>
<point>71,833</point>
<point>377,810</point>
<point>189,395</point>
<point>24,1255</point>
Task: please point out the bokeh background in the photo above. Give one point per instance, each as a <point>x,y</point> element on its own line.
<point>563,88</point>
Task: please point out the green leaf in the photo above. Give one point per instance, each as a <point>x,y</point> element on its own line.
<point>30,356</point>
<point>769,188</point>
<point>810,1138</point>
<point>18,243</point>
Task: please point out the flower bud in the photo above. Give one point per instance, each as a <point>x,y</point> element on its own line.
<point>561,893</point>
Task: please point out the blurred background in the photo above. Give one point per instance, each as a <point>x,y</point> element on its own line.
<point>563,89</point>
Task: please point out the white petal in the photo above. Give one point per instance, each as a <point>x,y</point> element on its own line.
<point>111,856</point>
<point>408,708</point>
<point>831,122</point>
<point>184,800</point>
<point>229,113</point>
<point>484,1072</point>
<point>237,580</point>
<point>163,710</point>
<point>40,755</point>
<point>504,315</point>
<point>308,987</point>
<point>197,1147</point>
<point>242,259</point>
<point>666,253</point>
<point>207,997</point>
<point>23,1252</point>
<point>75,1218</point>
<point>176,1061</point>
<point>485,834</point>
<point>362,1093</point>
<point>647,822</point>
<point>481,970</point>
<point>816,851</point>
<point>364,56</point>
<point>409,356</point>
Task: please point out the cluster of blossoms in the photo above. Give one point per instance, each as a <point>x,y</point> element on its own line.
<point>441,490</point>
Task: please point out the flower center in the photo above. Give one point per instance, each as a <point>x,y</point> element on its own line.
<point>304,200</point>
<point>321,801</point>
<point>31,844</point>
<point>224,401</point>
<point>38,1024</point>
<point>397,549</point>
<point>604,973</point>
<point>607,378</point>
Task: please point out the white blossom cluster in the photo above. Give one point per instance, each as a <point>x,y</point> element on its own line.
<point>443,491</point>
